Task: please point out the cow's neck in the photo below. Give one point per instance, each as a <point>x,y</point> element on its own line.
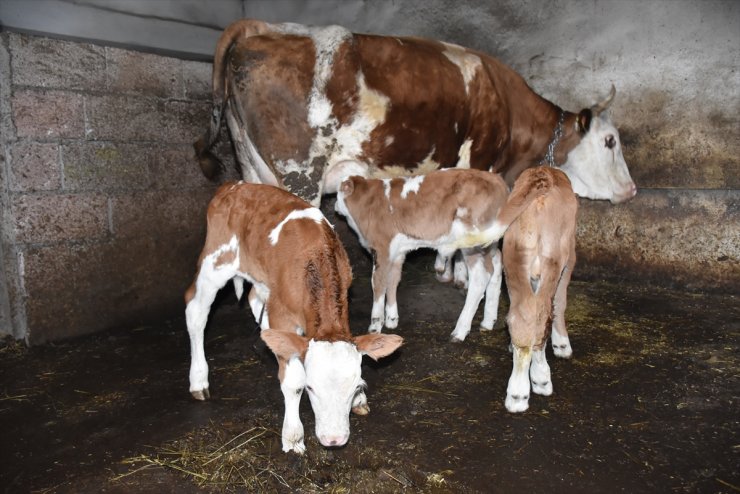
<point>533,131</point>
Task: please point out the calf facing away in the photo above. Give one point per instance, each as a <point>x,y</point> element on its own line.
<point>300,275</point>
<point>445,210</point>
<point>539,254</point>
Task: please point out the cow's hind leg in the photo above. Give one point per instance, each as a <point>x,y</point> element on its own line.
<point>479,278</point>
<point>201,295</point>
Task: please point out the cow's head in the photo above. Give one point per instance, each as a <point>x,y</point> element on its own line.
<point>332,375</point>
<point>596,166</point>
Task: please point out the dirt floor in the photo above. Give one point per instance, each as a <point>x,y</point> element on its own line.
<point>648,403</point>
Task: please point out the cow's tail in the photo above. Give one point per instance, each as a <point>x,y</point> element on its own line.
<point>209,163</point>
<point>531,184</point>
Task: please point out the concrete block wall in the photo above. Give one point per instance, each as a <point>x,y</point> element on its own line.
<point>103,204</point>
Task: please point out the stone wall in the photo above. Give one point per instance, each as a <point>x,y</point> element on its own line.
<point>103,204</point>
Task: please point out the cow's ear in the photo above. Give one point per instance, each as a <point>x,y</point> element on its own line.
<point>378,345</point>
<point>284,344</point>
<point>583,122</point>
<point>347,187</point>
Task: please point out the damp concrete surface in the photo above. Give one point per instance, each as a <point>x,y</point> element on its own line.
<point>648,403</point>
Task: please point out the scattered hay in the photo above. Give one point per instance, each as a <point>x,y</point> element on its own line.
<point>210,461</point>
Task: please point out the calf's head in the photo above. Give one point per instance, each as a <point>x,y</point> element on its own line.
<point>596,166</point>
<point>332,374</point>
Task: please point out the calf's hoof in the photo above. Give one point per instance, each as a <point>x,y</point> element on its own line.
<point>517,403</point>
<point>361,409</point>
<point>562,351</point>
<point>201,394</point>
<point>454,338</point>
<point>391,322</point>
<point>443,277</point>
<point>486,325</point>
<point>376,325</point>
<point>544,389</point>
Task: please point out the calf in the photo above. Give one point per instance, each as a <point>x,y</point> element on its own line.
<point>539,253</point>
<point>300,275</point>
<point>445,210</point>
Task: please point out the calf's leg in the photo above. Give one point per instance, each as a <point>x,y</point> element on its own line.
<point>539,373</point>
<point>517,392</point>
<point>391,303</point>
<point>493,291</point>
<point>478,280</point>
<point>201,295</point>
<point>381,267</point>
<point>292,383</point>
<point>559,337</point>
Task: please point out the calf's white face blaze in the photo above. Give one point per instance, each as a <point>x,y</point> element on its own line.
<point>333,379</point>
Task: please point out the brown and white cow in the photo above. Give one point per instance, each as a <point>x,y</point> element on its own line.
<point>444,210</point>
<point>300,275</point>
<point>539,253</point>
<point>299,100</point>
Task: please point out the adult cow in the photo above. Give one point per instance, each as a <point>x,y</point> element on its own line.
<point>298,100</point>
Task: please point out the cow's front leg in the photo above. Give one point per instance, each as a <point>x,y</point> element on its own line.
<point>292,383</point>
<point>391,302</point>
<point>479,278</point>
<point>381,266</point>
<point>493,291</point>
<point>539,373</point>
<point>517,392</point>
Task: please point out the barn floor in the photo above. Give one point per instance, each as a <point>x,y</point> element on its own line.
<point>648,403</point>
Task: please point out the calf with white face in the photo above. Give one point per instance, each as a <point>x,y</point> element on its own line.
<point>300,275</point>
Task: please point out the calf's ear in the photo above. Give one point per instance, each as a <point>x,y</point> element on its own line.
<point>378,345</point>
<point>284,344</point>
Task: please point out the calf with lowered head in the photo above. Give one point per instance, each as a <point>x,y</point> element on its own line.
<point>300,275</point>
<point>539,254</point>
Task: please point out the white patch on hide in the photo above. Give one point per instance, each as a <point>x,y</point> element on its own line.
<point>466,62</point>
<point>463,154</point>
<point>411,184</point>
<point>308,213</point>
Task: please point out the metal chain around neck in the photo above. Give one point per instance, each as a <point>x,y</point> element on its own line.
<point>549,158</point>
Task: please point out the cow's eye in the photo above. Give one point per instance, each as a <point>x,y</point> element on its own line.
<point>610,142</point>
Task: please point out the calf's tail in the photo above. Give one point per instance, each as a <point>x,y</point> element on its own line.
<point>210,165</point>
<point>531,184</point>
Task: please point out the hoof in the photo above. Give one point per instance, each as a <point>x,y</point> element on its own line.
<point>391,322</point>
<point>443,277</point>
<point>544,389</point>
<point>456,339</point>
<point>516,403</point>
<point>201,394</point>
<point>562,351</point>
<point>361,409</point>
<point>485,326</point>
